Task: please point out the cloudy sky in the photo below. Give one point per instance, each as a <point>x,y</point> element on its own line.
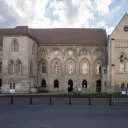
<point>62,13</point>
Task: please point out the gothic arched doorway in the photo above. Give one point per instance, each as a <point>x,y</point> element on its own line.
<point>43,84</point>
<point>98,86</point>
<point>84,84</point>
<point>56,84</point>
<point>70,84</point>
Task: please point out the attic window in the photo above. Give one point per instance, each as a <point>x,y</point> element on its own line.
<point>126,28</point>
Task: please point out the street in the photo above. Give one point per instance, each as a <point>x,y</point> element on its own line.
<point>35,116</point>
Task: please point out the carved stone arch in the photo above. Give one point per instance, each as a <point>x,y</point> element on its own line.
<point>43,65</point>
<point>42,60</point>
<point>56,69</point>
<point>11,66</point>
<point>70,66</point>
<point>18,59</point>
<point>86,59</point>
<point>56,58</point>
<point>70,59</point>
<point>18,65</point>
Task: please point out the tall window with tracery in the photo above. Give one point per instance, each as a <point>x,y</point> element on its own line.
<point>18,66</point>
<point>43,67</point>
<point>11,67</point>
<point>70,68</point>
<point>15,46</point>
<point>56,67</point>
<point>84,68</point>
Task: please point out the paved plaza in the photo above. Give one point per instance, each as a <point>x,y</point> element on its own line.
<point>62,117</point>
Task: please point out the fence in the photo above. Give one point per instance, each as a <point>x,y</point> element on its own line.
<point>31,100</point>
<point>120,95</point>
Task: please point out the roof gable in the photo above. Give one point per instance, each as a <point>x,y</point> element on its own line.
<point>119,32</point>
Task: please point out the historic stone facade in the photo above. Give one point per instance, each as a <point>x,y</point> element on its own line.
<point>60,59</point>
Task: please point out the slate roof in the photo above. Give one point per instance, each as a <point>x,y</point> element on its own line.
<point>87,36</point>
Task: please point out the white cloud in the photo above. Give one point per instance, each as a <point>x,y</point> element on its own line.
<point>70,13</point>
<point>73,13</point>
<point>110,30</point>
<point>102,6</point>
<point>117,8</point>
<point>2,19</point>
<point>102,24</point>
<point>32,11</point>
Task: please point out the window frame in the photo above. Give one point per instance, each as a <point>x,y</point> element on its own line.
<point>14,43</point>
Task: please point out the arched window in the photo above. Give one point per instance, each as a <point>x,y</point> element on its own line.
<point>18,66</point>
<point>56,67</point>
<point>84,84</point>
<point>33,49</point>
<point>11,67</point>
<point>98,67</point>
<point>56,84</point>
<point>0,66</point>
<point>43,83</point>
<point>84,68</point>
<point>43,67</point>
<point>70,67</point>
<point>15,46</point>
<point>122,62</point>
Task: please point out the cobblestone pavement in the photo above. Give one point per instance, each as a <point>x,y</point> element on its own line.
<point>62,117</point>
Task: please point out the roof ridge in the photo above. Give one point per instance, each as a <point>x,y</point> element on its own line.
<point>68,28</point>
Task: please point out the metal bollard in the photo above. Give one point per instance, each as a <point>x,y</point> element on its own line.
<point>11,100</point>
<point>70,102</point>
<point>89,101</point>
<point>50,101</point>
<point>31,100</point>
<point>110,101</point>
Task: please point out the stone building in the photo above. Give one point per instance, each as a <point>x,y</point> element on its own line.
<point>63,58</point>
